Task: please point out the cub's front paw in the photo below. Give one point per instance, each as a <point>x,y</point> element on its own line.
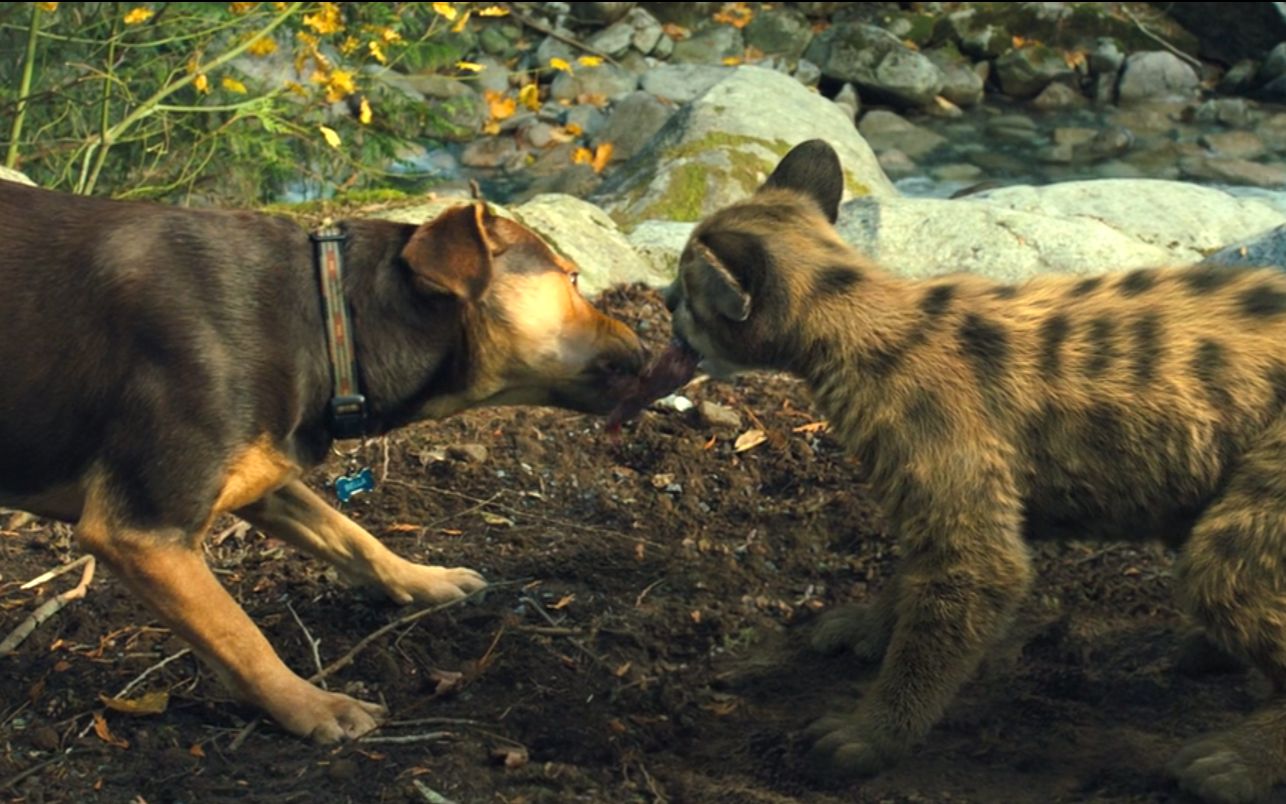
<point>856,627</point>
<point>847,748</point>
<point>1223,769</point>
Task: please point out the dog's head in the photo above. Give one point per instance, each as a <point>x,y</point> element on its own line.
<point>534,339</point>
<point>749,269</point>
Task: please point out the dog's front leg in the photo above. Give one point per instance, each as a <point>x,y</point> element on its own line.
<point>166,570</point>
<point>295,514</point>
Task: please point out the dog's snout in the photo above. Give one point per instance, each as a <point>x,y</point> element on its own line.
<point>625,361</point>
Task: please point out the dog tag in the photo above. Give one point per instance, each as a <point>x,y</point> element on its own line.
<point>355,482</point>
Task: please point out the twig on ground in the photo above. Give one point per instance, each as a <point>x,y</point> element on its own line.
<point>49,608</point>
<point>54,573</point>
<point>430,795</point>
<point>243,735</point>
<point>128,688</point>
<point>313,644</point>
<point>638,601</point>
<point>1157,38</point>
<point>434,721</point>
<point>33,770</point>
<point>400,739</point>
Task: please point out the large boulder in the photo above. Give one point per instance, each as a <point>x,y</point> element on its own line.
<point>877,62</point>
<point>721,147</point>
<point>1157,75</point>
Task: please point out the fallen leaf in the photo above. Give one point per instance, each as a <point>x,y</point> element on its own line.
<point>445,10</point>
<point>721,708</point>
<point>675,31</point>
<point>332,139</point>
<point>470,66</point>
<point>574,130</point>
<point>640,551</point>
<point>529,96</point>
<point>62,666</point>
<point>500,106</point>
<point>590,61</point>
<point>602,155</point>
<point>497,520</point>
<point>511,756</point>
<point>105,734</point>
<point>447,680</point>
<point>197,751</point>
<point>622,670</point>
<point>494,11</point>
<point>1074,58</point>
<point>710,444</point>
<point>596,99</point>
<point>617,726</point>
<point>731,61</point>
<point>563,602</point>
<point>560,64</point>
<point>738,15</point>
<point>233,85</point>
<point>582,156</point>
<point>812,427</point>
<point>402,527</point>
<point>460,23</point>
<point>695,614</point>
<point>150,703</point>
<point>749,440</point>
<point>491,127</point>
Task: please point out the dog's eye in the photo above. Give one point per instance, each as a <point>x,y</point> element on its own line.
<point>575,277</point>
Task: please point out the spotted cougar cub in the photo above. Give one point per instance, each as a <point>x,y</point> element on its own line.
<point>1150,404</point>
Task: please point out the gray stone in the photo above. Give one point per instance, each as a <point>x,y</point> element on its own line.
<point>567,179</point>
<point>664,48</point>
<point>600,13</point>
<point>1265,249</point>
<point>587,117</point>
<point>615,39</point>
<point>1057,97</point>
<point>1156,75</point>
<point>1237,144</point>
<point>848,100</point>
<point>494,75</point>
<point>682,83</point>
<point>1240,77</point>
<point>877,62</point>
<point>897,165</point>
<point>956,172</point>
<point>1023,72</point>
<point>1272,130</point>
<point>884,130</point>
<point>1233,171</point>
<point>538,133</point>
<point>688,15</point>
<point>1230,112</point>
<point>783,31</point>
<point>646,30</point>
<point>659,244</point>
<point>719,149</point>
<point>499,40</point>
<point>9,174</point>
<point>1072,135</point>
<point>1274,91</point>
<point>1107,143</point>
<point>980,40</point>
<point>634,121</point>
<point>606,80</point>
<point>492,152</point>
<point>710,46</point>
<point>1014,129</point>
<point>1106,58</point>
<point>807,73</point>
<point>551,48</point>
<point>1275,65</point>
<point>962,85</point>
<point>720,416</point>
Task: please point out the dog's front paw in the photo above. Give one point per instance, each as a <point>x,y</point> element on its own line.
<point>1222,769</point>
<point>420,583</point>
<point>855,627</point>
<point>325,717</point>
<point>846,748</point>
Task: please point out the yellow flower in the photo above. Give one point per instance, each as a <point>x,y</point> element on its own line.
<point>445,10</point>
<point>590,61</point>
<point>327,20</point>
<point>582,156</point>
<point>138,15</point>
<point>263,46</point>
<point>377,52</point>
<point>389,35</point>
<point>50,7</point>
<point>732,61</point>
<point>364,112</point>
<point>470,66</point>
<point>233,85</point>
<point>332,139</point>
<point>560,64</point>
<point>201,83</point>
<point>349,44</point>
<point>500,105</point>
<point>339,86</point>
<point>529,96</point>
<point>296,88</point>
<point>494,11</point>
<point>241,8</point>
<point>460,23</point>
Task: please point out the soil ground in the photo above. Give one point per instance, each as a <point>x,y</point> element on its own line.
<point>626,651</point>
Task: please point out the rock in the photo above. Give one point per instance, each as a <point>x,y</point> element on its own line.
<point>467,453</point>
<point>1272,130</point>
<point>884,130</point>
<point>1081,227</point>
<point>688,15</point>
<point>585,234</point>
<point>710,46</point>
<point>1072,135</point>
<point>491,153</point>
<point>682,83</point>
<point>606,80</point>
<point>587,117</point>
<point>1014,129</point>
<point>552,48</point>
<point>1230,112</point>
<point>721,416</point>
<point>1108,143</point>
<point>1023,72</point>
<point>1268,248</point>
<point>600,13</point>
<point>956,172</point>
<point>848,100</point>
<point>494,75</point>
<point>1239,78</point>
<point>1107,57</point>
<point>961,84</point>
<point>664,48</point>
<point>9,174</point>
<point>538,133</point>
<point>782,31</point>
<point>981,40</point>
<point>720,148</point>
<point>635,120</point>
<point>615,39</point>
<point>807,73</point>
<point>1233,171</point>
<point>558,177</point>
<point>877,62</point>
<point>645,30</point>
<point>499,40</point>
<point>1236,144</point>
<point>1156,75</point>
<point>1275,65</point>
<point>660,243</point>
<point>1227,31</point>
<point>897,165</point>
<point>1057,97</point>
<point>1274,91</point>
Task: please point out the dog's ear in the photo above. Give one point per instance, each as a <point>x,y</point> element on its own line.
<point>719,250</point>
<point>452,254</point>
<point>812,168</point>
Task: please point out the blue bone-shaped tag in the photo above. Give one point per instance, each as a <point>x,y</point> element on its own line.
<point>349,486</point>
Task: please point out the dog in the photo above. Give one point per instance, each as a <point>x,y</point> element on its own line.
<point>1145,404</point>
<point>166,365</point>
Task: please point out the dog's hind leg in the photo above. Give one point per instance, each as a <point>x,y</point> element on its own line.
<point>295,514</point>
<point>1232,579</point>
<point>166,570</point>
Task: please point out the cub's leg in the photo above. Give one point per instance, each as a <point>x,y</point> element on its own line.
<point>965,572</point>
<point>1232,579</point>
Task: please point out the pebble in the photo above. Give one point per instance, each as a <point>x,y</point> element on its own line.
<point>716,415</point>
<point>468,453</point>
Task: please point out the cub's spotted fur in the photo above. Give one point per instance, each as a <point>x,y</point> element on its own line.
<point>1145,405</point>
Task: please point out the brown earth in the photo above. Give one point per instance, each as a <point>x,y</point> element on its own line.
<point>624,652</point>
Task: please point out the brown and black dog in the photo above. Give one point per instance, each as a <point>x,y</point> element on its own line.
<point>164,366</point>
<point>1146,405</point>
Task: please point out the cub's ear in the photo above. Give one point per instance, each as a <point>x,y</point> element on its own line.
<point>812,168</point>
<point>729,255</point>
<point>452,253</point>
